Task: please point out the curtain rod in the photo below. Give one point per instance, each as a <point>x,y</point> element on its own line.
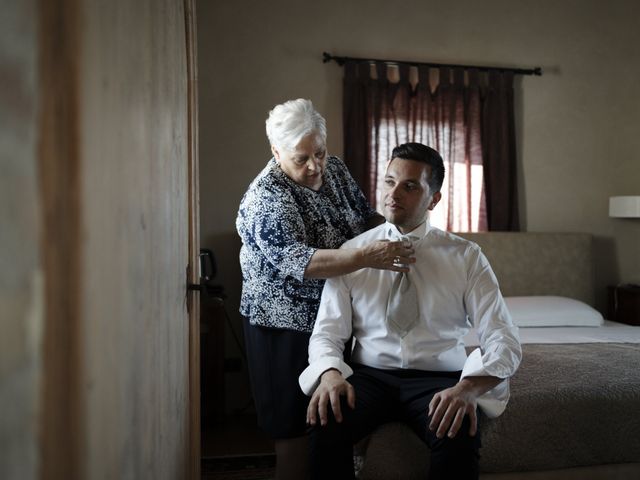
<point>327,57</point>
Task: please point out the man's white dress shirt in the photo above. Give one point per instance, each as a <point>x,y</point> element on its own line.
<point>456,290</point>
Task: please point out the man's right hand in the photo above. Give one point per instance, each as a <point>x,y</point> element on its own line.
<point>332,386</point>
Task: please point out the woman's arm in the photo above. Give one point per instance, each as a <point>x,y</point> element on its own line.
<point>381,254</point>
<point>274,223</point>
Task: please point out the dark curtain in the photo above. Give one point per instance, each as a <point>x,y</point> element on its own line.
<point>499,152</point>
<point>468,117</point>
<point>361,110</point>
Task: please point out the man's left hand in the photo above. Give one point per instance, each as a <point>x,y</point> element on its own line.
<point>448,407</point>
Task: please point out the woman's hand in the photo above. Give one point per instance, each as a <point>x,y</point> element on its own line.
<point>388,255</point>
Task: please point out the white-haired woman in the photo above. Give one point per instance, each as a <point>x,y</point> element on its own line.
<point>292,220</point>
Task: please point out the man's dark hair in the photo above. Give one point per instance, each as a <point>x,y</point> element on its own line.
<point>422,153</point>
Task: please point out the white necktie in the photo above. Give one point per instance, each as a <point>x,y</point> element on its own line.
<point>402,306</point>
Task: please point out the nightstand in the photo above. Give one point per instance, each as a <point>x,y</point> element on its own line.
<point>624,304</point>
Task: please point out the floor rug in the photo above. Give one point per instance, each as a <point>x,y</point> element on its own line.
<point>236,467</point>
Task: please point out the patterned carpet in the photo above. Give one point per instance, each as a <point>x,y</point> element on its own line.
<point>251,467</point>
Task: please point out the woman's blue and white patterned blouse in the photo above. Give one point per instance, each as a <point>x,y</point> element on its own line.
<point>282,224</point>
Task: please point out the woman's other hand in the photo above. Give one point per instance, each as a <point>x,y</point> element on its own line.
<point>388,255</point>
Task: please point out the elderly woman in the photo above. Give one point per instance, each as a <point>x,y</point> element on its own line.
<point>293,218</point>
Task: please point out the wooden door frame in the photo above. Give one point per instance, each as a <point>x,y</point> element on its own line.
<point>61,412</point>
<point>194,240</point>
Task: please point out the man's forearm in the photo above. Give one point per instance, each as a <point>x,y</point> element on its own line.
<point>479,385</point>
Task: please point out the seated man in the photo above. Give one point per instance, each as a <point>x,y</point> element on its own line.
<point>408,361</point>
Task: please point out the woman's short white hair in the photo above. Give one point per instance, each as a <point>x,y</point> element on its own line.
<point>290,121</point>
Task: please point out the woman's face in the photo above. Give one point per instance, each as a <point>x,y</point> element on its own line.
<point>305,164</point>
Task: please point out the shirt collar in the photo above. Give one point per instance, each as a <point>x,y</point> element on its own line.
<point>419,232</point>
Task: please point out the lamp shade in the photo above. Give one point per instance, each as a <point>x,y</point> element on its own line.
<point>627,207</point>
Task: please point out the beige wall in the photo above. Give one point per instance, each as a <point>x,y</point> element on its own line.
<point>577,124</point>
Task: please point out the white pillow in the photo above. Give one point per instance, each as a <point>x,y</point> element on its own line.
<point>549,311</point>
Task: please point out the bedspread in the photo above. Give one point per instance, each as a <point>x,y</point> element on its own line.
<point>571,405</point>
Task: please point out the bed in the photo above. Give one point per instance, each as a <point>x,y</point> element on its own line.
<point>574,410</point>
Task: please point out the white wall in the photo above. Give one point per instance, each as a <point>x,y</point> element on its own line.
<point>577,124</point>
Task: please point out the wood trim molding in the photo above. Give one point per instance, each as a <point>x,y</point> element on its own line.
<point>194,240</point>
<point>59,165</point>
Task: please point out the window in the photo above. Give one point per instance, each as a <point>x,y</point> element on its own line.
<point>464,113</point>
<point>462,208</point>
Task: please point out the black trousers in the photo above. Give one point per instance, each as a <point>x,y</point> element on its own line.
<point>384,396</point>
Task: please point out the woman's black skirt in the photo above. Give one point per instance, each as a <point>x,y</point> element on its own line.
<point>276,358</point>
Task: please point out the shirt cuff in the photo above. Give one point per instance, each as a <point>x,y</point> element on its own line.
<point>310,377</point>
<point>495,400</point>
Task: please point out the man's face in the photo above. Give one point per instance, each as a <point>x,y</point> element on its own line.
<point>406,195</point>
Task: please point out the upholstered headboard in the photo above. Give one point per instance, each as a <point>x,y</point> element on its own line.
<point>540,263</point>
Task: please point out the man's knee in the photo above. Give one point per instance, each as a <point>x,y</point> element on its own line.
<point>333,432</point>
<point>331,449</point>
<point>458,455</point>
<point>462,440</point>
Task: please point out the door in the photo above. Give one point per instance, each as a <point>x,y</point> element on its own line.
<point>119,190</point>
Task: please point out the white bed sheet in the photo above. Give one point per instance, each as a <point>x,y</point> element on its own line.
<point>609,332</point>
